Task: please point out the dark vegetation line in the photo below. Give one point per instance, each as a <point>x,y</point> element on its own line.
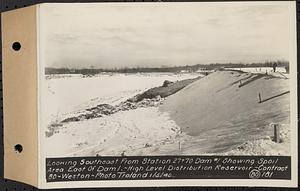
<point>176,69</point>
<point>249,80</point>
<point>168,88</point>
<point>275,96</point>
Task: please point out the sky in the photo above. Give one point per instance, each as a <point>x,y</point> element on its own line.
<point>118,35</point>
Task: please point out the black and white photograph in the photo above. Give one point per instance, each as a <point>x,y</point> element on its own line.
<point>166,79</point>
<point>151,94</point>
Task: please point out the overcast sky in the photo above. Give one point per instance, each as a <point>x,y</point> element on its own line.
<point>162,34</point>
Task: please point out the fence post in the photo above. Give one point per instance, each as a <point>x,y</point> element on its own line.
<point>276,133</point>
<point>179,145</point>
<point>259,97</point>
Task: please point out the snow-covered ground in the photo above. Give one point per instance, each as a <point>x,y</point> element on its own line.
<point>192,121</point>
<point>222,111</point>
<point>68,94</point>
<point>260,70</point>
<point>265,145</point>
<point>134,132</point>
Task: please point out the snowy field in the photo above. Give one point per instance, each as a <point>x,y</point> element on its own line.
<point>141,131</point>
<point>68,94</point>
<point>163,130</point>
<point>135,132</point>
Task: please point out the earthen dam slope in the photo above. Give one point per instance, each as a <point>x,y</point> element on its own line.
<point>223,109</point>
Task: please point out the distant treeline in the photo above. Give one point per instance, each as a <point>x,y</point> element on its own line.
<point>175,69</point>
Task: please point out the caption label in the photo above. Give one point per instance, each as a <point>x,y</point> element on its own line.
<point>167,167</point>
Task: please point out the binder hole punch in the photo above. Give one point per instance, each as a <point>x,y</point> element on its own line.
<point>18,148</point>
<point>16,46</point>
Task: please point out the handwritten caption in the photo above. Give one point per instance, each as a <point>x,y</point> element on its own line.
<point>167,167</point>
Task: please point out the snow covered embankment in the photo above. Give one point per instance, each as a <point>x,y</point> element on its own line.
<point>223,112</point>
<point>266,145</point>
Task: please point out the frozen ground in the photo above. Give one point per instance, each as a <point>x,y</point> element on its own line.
<point>280,71</point>
<point>137,132</point>
<point>265,145</point>
<point>68,94</point>
<point>210,116</point>
<point>222,111</point>
<point>128,132</point>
